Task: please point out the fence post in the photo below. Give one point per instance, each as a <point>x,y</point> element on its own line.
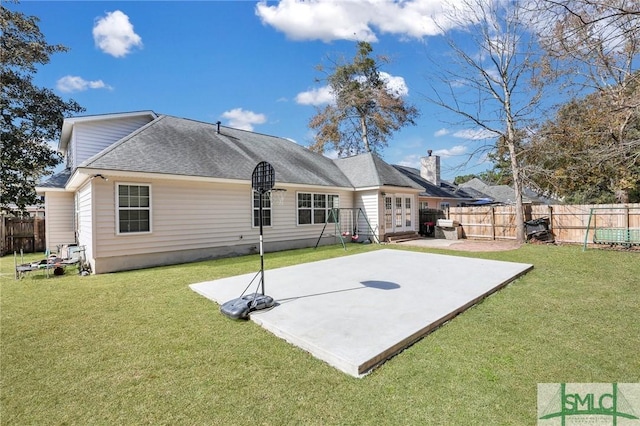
<point>493,223</point>
<point>626,216</point>
<point>3,239</point>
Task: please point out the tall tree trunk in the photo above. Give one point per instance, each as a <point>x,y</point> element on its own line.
<point>512,142</point>
<point>365,136</point>
<point>517,188</point>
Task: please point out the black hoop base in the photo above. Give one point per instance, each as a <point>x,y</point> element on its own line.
<point>241,307</point>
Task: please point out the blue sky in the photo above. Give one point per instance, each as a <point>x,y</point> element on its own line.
<point>248,64</point>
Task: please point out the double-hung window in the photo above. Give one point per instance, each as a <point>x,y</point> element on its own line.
<point>316,208</point>
<point>266,209</point>
<point>134,208</point>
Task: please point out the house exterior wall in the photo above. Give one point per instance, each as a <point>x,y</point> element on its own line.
<point>194,220</point>
<point>88,139</point>
<point>84,218</point>
<point>435,203</point>
<point>60,226</point>
<point>369,202</point>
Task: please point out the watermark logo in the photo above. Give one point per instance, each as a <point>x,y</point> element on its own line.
<point>588,404</point>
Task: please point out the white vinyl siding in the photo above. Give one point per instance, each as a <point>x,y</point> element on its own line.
<point>88,139</point>
<point>185,215</point>
<point>196,215</point>
<point>59,207</point>
<point>369,201</point>
<point>84,217</point>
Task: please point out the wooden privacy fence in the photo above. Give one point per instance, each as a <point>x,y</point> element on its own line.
<point>26,234</point>
<point>568,223</point>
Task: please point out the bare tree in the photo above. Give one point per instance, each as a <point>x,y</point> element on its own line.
<point>493,80</point>
<point>366,109</point>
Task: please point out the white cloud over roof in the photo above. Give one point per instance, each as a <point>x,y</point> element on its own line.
<point>114,34</point>
<point>242,119</point>
<point>357,20</point>
<point>72,83</point>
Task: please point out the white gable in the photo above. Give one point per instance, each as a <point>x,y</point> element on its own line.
<point>84,137</point>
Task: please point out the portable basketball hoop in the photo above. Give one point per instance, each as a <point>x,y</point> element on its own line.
<point>262,181</point>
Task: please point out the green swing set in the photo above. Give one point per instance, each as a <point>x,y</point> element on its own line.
<point>350,224</point>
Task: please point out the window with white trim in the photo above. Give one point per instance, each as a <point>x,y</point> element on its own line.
<point>407,211</point>
<point>266,209</point>
<point>134,208</point>
<point>315,208</point>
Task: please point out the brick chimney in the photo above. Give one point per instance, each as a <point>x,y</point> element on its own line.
<point>430,168</point>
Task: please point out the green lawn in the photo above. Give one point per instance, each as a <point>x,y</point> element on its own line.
<point>141,348</point>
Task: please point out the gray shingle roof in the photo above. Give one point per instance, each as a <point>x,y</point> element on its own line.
<point>58,180</point>
<point>369,170</point>
<point>445,190</point>
<point>502,193</point>
<point>178,146</point>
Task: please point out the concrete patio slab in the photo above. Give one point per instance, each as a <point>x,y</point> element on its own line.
<point>355,312</point>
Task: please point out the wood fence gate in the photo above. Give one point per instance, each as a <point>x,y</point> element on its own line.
<point>26,234</point>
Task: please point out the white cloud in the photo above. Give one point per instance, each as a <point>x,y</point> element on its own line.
<point>318,19</point>
<point>475,134</point>
<point>320,96</point>
<point>441,132</point>
<point>356,20</point>
<point>72,83</point>
<point>395,85</point>
<point>451,152</point>
<point>323,95</point>
<point>241,119</point>
<point>412,160</point>
<point>114,34</point>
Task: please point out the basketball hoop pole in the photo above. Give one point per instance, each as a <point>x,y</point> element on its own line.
<point>261,250</point>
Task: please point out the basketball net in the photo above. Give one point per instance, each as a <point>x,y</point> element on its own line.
<point>276,196</point>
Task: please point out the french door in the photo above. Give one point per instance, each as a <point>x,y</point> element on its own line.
<point>398,213</point>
